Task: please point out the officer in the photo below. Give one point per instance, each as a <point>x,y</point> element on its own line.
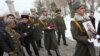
<point>6,44</point>
<point>84,46</point>
<point>61,27</point>
<point>37,30</point>
<point>26,31</point>
<point>48,27</point>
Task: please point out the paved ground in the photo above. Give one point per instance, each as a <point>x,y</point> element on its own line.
<point>64,50</point>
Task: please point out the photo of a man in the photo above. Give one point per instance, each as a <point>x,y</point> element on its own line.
<point>89,29</point>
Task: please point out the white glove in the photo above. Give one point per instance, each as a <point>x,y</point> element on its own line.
<point>49,28</point>
<point>91,40</point>
<point>97,36</point>
<point>24,34</point>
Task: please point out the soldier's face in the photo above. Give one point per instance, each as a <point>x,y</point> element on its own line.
<point>10,17</point>
<point>32,10</point>
<point>25,20</point>
<point>59,14</point>
<point>45,13</point>
<point>81,10</point>
<point>13,24</point>
<point>91,14</point>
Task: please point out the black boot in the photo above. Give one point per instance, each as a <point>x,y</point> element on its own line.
<point>49,53</point>
<point>66,44</point>
<point>57,52</point>
<point>30,54</point>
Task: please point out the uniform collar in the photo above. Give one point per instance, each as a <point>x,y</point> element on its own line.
<point>81,18</point>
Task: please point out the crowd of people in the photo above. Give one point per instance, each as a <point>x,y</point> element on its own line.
<point>18,31</point>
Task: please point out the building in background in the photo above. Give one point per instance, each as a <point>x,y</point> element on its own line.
<point>10,6</point>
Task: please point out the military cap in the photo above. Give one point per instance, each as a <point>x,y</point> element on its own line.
<point>25,14</point>
<point>44,10</point>
<point>33,10</point>
<point>78,4</point>
<point>58,10</point>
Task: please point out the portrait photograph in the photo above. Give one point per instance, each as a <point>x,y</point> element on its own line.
<point>89,29</point>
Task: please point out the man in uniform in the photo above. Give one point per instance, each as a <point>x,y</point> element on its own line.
<point>61,27</point>
<point>92,18</point>
<point>37,32</point>
<point>6,44</point>
<point>26,31</point>
<point>48,26</point>
<point>84,46</point>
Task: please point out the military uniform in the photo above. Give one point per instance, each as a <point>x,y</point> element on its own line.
<point>37,32</point>
<point>27,28</point>
<point>83,46</point>
<point>6,43</point>
<point>15,37</point>
<point>50,40</point>
<point>61,27</point>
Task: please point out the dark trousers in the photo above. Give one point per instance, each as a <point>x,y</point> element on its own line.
<point>56,50</point>
<point>1,52</point>
<point>27,46</point>
<point>63,37</point>
<point>38,42</point>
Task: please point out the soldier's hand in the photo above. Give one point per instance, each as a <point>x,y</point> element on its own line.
<point>49,28</point>
<point>91,40</point>
<point>24,34</point>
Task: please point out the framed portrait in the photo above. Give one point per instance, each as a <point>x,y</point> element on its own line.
<point>89,29</point>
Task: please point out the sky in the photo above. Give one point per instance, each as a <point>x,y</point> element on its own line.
<point>20,5</point>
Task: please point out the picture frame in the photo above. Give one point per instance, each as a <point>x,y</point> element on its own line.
<point>89,29</point>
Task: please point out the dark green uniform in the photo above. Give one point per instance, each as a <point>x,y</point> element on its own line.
<point>15,37</point>
<point>37,32</point>
<point>50,40</point>
<point>61,27</point>
<point>6,43</point>
<point>83,47</point>
<point>27,28</point>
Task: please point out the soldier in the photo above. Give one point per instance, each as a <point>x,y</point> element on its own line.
<point>6,44</point>
<point>37,30</point>
<point>61,27</point>
<point>84,46</point>
<point>48,26</point>
<point>9,27</point>
<point>11,16</point>
<point>92,18</point>
<point>98,32</point>
<point>26,31</point>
